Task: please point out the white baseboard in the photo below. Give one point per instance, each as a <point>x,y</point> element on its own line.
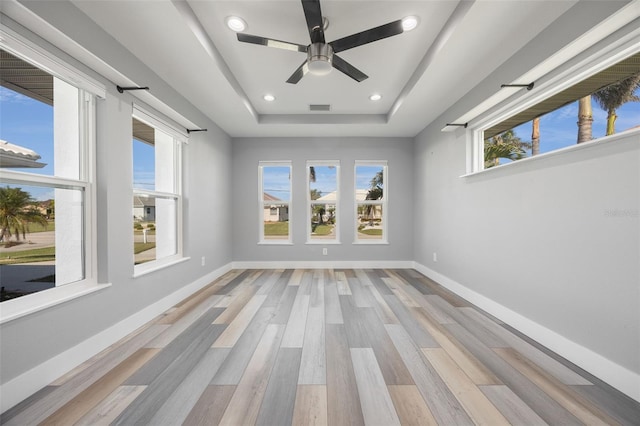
<point>329,264</point>
<point>21,387</point>
<point>621,378</point>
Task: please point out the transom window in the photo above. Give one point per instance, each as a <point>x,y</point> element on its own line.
<point>371,201</point>
<point>323,199</point>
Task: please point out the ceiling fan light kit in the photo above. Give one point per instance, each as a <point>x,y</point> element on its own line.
<point>321,56</point>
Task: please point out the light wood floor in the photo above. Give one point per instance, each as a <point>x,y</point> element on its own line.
<point>325,347</point>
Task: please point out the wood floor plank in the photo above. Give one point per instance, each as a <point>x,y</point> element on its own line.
<point>210,407</point>
<point>280,395</point>
<point>624,409</point>
<point>313,367</point>
<point>563,394</point>
<point>343,400</point>
<point>416,284</point>
<point>561,372</point>
<point>375,277</point>
<point>111,407</point>
<point>245,403</point>
<point>284,305</point>
<point>177,407</point>
<point>73,410</point>
<point>440,400</point>
<point>477,405</point>
<point>513,408</point>
<point>152,369</point>
<point>354,324</point>
<point>239,324</point>
<point>278,288</point>
<point>397,287</point>
<point>545,406</point>
<point>342,284</point>
<point>419,335</point>
<point>310,406</point>
<point>450,297</point>
<point>294,333</point>
<point>145,406</point>
<point>440,315</point>
<point>410,406</point>
<point>361,297</point>
<point>52,401</point>
<point>382,308</point>
<point>391,364</point>
<point>234,365</point>
<point>333,311</point>
<point>238,303</point>
<point>377,406</point>
<point>296,277</point>
<point>246,275</point>
<point>478,373</point>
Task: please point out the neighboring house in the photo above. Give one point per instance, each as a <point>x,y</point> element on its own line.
<point>144,209</point>
<point>15,156</point>
<point>273,211</point>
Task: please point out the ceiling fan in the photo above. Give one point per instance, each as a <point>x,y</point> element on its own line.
<point>321,56</point>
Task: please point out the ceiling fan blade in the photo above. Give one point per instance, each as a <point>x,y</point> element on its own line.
<point>248,38</point>
<point>313,14</point>
<point>368,36</point>
<point>299,73</point>
<point>345,67</point>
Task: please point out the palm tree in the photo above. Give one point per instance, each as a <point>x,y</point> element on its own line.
<point>375,192</point>
<point>585,119</point>
<point>17,210</point>
<point>614,96</point>
<point>505,145</point>
<point>535,136</point>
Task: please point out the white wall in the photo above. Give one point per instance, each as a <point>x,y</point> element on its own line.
<point>248,152</point>
<point>37,347</point>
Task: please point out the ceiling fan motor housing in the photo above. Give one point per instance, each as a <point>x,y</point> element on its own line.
<point>319,58</point>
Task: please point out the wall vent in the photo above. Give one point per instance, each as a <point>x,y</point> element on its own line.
<point>319,107</point>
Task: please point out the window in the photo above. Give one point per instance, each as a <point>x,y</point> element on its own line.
<point>323,200</point>
<point>371,201</point>
<point>46,168</point>
<point>274,199</point>
<point>157,201</point>
<point>601,104</point>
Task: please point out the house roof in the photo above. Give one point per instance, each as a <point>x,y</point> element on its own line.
<point>14,156</point>
<point>139,201</point>
<point>269,197</point>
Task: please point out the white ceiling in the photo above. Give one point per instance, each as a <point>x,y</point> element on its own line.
<point>419,73</point>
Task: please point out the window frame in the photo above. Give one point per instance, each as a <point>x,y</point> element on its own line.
<point>384,202</point>
<point>89,92</point>
<point>262,203</point>
<point>179,140</point>
<point>584,63</point>
<point>310,202</point>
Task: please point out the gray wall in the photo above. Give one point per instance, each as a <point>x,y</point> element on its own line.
<point>31,340</point>
<point>248,152</point>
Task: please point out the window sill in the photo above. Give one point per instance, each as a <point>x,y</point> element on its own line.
<point>36,302</point>
<point>275,243</point>
<point>148,268</point>
<point>323,242</point>
<point>596,143</point>
<point>371,242</point>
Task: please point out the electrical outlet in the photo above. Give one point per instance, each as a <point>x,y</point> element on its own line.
<point>203,261</point>
<point>324,251</point>
<point>435,256</point>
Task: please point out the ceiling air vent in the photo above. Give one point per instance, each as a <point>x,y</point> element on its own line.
<point>319,107</point>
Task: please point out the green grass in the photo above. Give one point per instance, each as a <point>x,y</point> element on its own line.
<point>276,228</point>
<point>36,227</point>
<point>323,230</point>
<point>28,256</point>
<point>140,247</point>
<point>371,231</point>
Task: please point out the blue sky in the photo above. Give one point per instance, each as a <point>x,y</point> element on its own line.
<point>276,181</point>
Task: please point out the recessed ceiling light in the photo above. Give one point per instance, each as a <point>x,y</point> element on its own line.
<point>269,98</point>
<point>409,23</point>
<point>235,23</point>
<point>375,97</point>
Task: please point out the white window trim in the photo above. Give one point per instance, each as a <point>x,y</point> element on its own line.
<point>261,203</point>
<point>89,89</point>
<point>384,202</point>
<point>179,139</point>
<point>607,52</point>
<point>323,163</point>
